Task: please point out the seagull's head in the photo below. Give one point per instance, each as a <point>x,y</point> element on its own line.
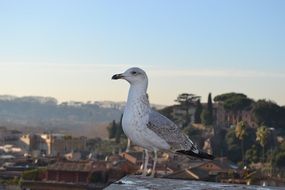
<point>133,75</point>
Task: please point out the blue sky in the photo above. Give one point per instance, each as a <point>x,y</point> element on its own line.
<point>70,49</point>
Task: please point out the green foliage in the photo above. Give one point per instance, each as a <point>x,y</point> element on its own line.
<point>279,156</point>
<point>115,130</point>
<point>280,159</point>
<point>240,130</point>
<point>207,114</point>
<point>119,131</point>
<point>195,134</point>
<point>218,143</point>
<point>112,129</point>
<point>210,104</point>
<point>14,181</point>
<point>234,144</point>
<point>262,135</point>
<point>34,174</point>
<point>234,101</point>
<point>167,112</point>
<point>226,96</point>
<point>252,154</point>
<point>198,112</point>
<point>191,131</point>
<point>206,117</point>
<point>91,143</point>
<point>282,146</point>
<point>269,113</point>
<point>186,101</point>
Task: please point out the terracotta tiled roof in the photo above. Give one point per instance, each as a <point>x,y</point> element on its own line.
<point>72,166</point>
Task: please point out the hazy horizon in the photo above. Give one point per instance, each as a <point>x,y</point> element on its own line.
<point>70,49</point>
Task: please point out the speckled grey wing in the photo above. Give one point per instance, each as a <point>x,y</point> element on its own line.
<point>170,132</point>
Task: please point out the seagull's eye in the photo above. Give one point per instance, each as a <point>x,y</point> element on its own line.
<point>134,72</point>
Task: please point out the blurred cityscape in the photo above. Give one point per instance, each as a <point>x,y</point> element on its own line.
<point>46,145</point>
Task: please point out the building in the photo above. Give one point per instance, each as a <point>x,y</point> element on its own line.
<point>51,144</point>
<point>224,118</point>
<point>213,170</point>
<point>8,136</point>
<point>79,175</point>
<point>70,175</point>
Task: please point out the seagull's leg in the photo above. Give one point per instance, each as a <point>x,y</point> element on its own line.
<point>154,163</point>
<point>145,162</point>
<point>128,145</point>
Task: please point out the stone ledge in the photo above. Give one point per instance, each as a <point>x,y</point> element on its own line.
<point>133,182</point>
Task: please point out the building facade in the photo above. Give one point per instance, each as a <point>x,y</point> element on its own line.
<point>51,144</point>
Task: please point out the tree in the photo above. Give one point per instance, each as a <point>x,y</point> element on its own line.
<point>198,112</point>
<point>280,160</point>
<point>218,143</point>
<point>227,96</point>
<point>186,101</point>
<point>194,134</point>
<point>262,134</point>
<point>210,106</point>
<point>252,154</point>
<point>233,144</point>
<point>269,114</point>
<point>207,114</point>
<point>279,156</point>
<point>167,112</point>
<point>240,132</point>
<point>119,131</point>
<point>112,129</point>
<point>206,117</point>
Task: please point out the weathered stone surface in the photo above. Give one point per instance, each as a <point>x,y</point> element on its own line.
<point>148,183</point>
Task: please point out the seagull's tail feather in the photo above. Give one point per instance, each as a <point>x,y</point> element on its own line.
<point>200,154</point>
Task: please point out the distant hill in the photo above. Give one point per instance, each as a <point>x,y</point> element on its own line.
<point>47,113</point>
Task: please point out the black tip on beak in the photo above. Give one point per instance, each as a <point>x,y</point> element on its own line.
<point>117,76</point>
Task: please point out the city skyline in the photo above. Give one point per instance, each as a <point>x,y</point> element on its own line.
<point>69,49</point>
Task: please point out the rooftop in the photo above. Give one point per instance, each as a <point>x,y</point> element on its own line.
<point>71,166</point>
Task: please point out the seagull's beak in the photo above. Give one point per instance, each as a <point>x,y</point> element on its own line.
<point>117,76</point>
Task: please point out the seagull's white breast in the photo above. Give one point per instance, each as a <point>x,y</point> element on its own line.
<point>134,121</point>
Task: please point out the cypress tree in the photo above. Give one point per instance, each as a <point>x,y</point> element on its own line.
<point>207,114</point>
<point>210,108</point>
<point>119,131</point>
<point>198,112</point>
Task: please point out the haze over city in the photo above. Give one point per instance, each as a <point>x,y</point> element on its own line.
<point>70,49</point>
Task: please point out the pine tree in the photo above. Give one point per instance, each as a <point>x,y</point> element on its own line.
<point>186,101</point>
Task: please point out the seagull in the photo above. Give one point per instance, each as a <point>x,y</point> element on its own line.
<point>149,129</point>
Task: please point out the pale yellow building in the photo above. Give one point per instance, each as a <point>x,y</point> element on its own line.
<point>51,144</point>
